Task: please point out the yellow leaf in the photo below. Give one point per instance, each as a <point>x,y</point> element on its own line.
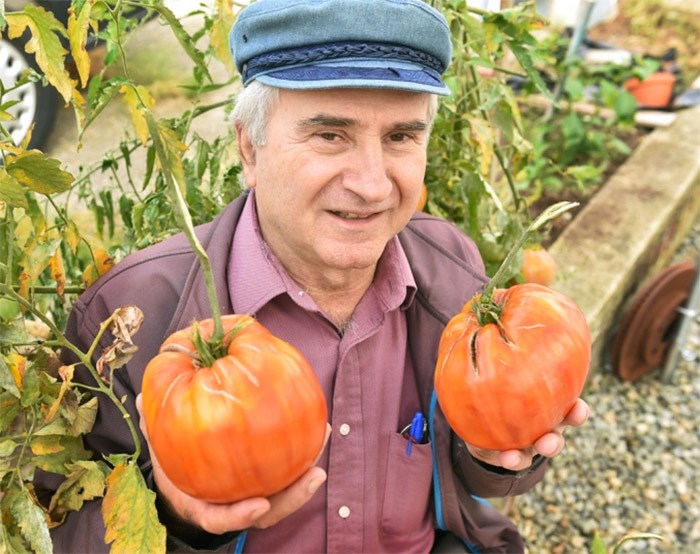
<point>102,263</point>
<point>78,26</point>
<point>11,192</point>
<point>57,272</point>
<point>72,236</point>
<point>219,33</point>
<point>138,99</point>
<point>174,148</point>
<point>85,481</point>
<point>129,513</point>
<point>17,365</point>
<point>482,132</point>
<point>45,43</point>
<point>79,104</point>
<point>50,444</point>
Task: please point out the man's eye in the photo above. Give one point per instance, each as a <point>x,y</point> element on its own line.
<point>329,136</point>
<point>399,137</point>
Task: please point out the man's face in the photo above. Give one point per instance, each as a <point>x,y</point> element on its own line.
<point>339,176</point>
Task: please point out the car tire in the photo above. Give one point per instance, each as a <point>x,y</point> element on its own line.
<point>36,104</point>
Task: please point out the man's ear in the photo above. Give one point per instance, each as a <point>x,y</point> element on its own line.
<point>246,152</point>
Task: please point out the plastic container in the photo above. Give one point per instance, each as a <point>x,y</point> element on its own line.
<point>655,91</point>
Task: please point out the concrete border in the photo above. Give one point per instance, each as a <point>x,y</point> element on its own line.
<point>631,228</point>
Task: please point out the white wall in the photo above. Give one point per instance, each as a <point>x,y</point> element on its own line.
<point>567,13</point>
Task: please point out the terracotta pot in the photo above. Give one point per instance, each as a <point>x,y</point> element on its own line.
<point>653,92</point>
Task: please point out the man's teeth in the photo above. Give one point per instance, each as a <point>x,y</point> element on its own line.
<point>346,215</point>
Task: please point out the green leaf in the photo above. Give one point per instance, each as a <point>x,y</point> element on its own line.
<point>37,171</point>
<point>53,453</point>
<point>625,106</point>
<point>85,418</point>
<point>86,480</point>
<point>598,546</point>
<point>9,410</point>
<point>31,392</point>
<point>11,191</point>
<point>525,61</point>
<point>45,43</point>
<point>31,520</point>
<point>7,447</point>
<point>130,514</point>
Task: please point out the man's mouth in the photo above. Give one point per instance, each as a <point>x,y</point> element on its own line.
<point>347,215</point>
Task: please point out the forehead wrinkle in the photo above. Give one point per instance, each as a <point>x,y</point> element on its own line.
<point>325,120</point>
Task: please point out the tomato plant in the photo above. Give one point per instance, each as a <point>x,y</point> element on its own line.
<point>249,424</point>
<point>422,199</point>
<point>513,361</point>
<point>538,267</point>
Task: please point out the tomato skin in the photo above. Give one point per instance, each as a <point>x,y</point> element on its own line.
<point>505,394</point>
<point>249,425</point>
<point>539,267</point>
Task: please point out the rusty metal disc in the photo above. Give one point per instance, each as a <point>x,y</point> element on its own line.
<point>646,330</point>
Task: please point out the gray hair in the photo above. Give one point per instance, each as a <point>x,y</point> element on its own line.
<point>256,102</point>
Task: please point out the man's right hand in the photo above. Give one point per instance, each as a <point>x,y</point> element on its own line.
<point>256,512</point>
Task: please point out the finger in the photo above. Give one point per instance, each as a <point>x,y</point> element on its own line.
<point>579,413</point>
<point>549,445</point>
<point>292,498</point>
<point>515,460</point>
<point>222,518</point>
<point>325,441</point>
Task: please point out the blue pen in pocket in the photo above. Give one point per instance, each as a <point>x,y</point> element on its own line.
<point>416,432</point>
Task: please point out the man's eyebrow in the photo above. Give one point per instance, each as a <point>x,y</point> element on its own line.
<point>411,126</point>
<point>324,120</point>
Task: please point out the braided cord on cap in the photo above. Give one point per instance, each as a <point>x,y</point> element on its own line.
<point>336,51</point>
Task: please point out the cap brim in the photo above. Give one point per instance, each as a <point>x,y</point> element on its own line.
<point>356,74</point>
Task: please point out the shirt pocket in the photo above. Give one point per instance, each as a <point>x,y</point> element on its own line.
<point>407,489</point>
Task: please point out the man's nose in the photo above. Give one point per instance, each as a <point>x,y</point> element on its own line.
<point>368,175</point>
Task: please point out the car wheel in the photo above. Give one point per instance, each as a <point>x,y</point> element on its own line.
<point>36,103</point>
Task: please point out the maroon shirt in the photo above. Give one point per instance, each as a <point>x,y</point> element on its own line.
<point>375,492</point>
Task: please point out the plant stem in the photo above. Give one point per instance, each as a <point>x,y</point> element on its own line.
<point>185,221</point>
<point>84,358</point>
<point>498,279</point>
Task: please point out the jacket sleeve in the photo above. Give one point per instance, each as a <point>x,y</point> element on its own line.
<point>490,481</point>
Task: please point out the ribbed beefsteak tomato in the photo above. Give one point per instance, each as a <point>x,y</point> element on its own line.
<point>503,384</point>
<point>249,425</point>
<point>539,267</point>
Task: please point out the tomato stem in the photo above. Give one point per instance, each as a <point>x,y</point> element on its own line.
<point>184,220</point>
<point>484,308</point>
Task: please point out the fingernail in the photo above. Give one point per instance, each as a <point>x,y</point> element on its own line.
<point>314,485</point>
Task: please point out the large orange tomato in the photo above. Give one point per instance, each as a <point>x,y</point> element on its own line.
<point>539,266</point>
<point>509,374</point>
<point>249,425</point>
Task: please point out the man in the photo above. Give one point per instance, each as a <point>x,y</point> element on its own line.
<point>332,126</point>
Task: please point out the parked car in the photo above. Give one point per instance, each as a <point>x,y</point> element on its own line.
<point>36,103</point>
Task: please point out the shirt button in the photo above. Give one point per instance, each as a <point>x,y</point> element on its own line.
<point>344,511</point>
<point>344,429</point>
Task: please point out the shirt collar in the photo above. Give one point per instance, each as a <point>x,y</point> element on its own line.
<point>261,278</point>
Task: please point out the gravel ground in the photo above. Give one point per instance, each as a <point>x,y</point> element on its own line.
<point>634,467</point>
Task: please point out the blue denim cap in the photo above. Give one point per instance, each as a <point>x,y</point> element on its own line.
<point>322,44</point>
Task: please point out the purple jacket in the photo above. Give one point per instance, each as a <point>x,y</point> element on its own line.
<point>165,281</point>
